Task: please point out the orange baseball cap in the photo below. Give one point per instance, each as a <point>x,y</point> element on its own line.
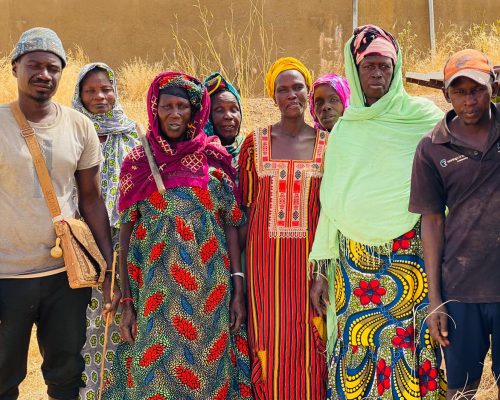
<point>469,63</point>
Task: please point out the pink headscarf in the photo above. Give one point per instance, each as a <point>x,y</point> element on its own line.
<point>370,39</point>
<point>180,163</point>
<point>336,82</point>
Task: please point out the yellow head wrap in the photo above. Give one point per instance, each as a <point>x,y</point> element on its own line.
<point>286,64</point>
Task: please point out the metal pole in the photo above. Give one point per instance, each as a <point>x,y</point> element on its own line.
<point>432,33</point>
<point>354,14</point>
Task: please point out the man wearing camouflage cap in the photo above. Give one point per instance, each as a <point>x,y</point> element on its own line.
<point>33,285</point>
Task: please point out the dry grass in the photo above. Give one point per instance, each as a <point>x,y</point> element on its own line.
<point>251,54</point>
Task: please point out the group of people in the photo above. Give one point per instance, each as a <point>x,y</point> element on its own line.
<point>294,262</point>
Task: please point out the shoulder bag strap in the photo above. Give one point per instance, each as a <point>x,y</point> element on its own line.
<point>151,159</point>
<point>28,134</point>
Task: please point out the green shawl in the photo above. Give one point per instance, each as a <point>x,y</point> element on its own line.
<point>365,188</point>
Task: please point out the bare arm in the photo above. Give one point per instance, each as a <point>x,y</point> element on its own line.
<point>128,326</point>
<point>92,208</point>
<point>433,242</point>
<point>237,307</point>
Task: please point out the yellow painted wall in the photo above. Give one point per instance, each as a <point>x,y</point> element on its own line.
<point>118,30</point>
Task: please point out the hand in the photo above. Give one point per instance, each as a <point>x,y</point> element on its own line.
<point>237,311</point>
<point>110,307</point>
<point>437,321</point>
<point>319,295</point>
<point>128,325</point>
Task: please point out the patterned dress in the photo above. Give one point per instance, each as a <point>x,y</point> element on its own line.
<point>179,276</point>
<point>384,350</point>
<point>286,338</point>
<point>114,149</point>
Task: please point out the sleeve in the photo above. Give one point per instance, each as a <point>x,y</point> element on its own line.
<point>247,172</point>
<point>130,214</point>
<point>427,194</point>
<point>228,208</point>
<point>92,153</point>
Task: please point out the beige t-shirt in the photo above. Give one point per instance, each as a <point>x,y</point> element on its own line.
<point>68,143</point>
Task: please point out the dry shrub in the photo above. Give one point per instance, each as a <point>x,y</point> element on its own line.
<point>449,39</point>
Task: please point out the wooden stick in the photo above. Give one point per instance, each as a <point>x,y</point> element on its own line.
<point>106,328</point>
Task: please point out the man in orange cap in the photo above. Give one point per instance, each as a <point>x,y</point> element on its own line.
<point>457,166</point>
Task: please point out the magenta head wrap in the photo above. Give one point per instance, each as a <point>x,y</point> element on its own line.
<point>336,82</point>
<point>372,40</point>
<point>182,163</point>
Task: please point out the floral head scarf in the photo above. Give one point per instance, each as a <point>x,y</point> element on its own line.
<point>121,138</point>
<point>337,83</point>
<point>216,83</point>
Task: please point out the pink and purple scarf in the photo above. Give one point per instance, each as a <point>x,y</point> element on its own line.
<point>337,83</point>
<point>180,163</point>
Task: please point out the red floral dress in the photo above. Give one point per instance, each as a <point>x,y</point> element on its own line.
<point>179,275</point>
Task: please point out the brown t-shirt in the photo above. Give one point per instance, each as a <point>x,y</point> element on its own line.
<point>446,173</point>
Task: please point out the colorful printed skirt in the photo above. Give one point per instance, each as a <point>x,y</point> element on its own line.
<point>384,349</point>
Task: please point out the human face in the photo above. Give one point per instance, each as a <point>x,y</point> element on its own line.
<point>38,75</point>
<point>97,92</point>
<point>226,116</point>
<point>174,115</point>
<point>327,105</point>
<point>375,75</point>
<point>291,93</point>
<point>470,100</point>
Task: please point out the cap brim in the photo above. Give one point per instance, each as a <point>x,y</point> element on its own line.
<point>483,78</point>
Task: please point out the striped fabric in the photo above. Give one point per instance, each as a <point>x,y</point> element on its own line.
<point>286,337</point>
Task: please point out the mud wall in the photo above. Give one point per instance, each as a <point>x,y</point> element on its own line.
<point>119,30</point>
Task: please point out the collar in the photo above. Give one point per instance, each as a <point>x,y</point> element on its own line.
<point>441,134</point>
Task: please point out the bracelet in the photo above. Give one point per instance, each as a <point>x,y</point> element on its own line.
<point>238,274</point>
<point>125,299</point>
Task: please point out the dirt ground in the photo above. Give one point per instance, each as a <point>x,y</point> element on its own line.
<point>258,112</point>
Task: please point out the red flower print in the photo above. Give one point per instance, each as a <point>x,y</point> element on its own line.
<point>156,251</point>
<point>217,348</point>
<point>183,277</point>
<point>427,376</point>
<point>383,377</point>
<point>185,327</point>
<point>222,393</point>
<point>157,397</point>
<point>236,214</point>
<point>245,390</point>
<point>354,349</point>
<point>158,201</point>
<point>214,298</point>
<point>227,263</point>
<point>233,357</point>
<point>130,380</point>
<point>369,292</point>
<point>404,338</point>
<point>135,273</point>
<point>403,242</point>
<point>242,345</point>
<point>217,217</point>
<point>208,249</point>
<point>140,232</point>
<point>183,230</point>
<point>217,173</point>
<point>153,302</point>
<point>133,215</point>
<point>151,354</point>
<point>187,377</point>
<point>203,196</point>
